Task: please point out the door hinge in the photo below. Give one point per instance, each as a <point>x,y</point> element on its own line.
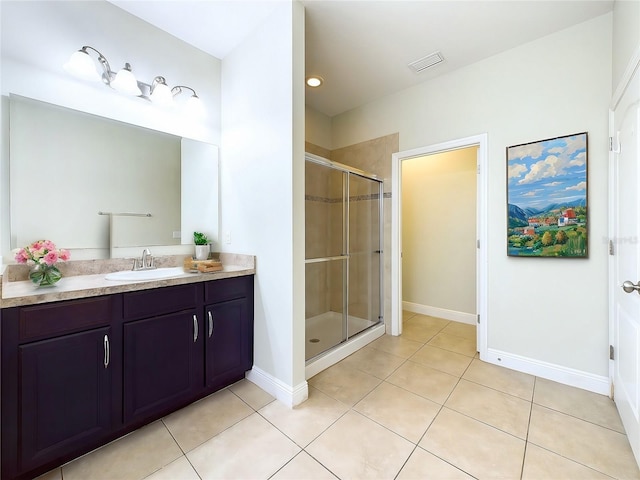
<point>611,248</point>
<point>478,318</point>
<point>478,169</point>
<point>611,352</point>
<point>614,145</point>
<point>477,243</point>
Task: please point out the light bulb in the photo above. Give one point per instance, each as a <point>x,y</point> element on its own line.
<point>194,107</point>
<point>161,93</point>
<point>81,65</point>
<point>125,82</point>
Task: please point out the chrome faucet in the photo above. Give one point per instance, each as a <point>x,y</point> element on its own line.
<point>147,262</point>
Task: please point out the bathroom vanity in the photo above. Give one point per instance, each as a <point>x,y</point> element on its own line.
<point>79,372</point>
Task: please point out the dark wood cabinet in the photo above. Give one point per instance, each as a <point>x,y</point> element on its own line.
<point>162,364</point>
<point>77,374</point>
<point>229,331</point>
<point>64,392</point>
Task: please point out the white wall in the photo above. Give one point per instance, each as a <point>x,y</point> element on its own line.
<point>439,232</point>
<point>262,158</point>
<point>626,35</point>
<point>550,311</point>
<point>38,37</point>
<point>318,128</point>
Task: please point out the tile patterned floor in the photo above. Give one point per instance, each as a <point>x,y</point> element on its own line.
<point>411,407</point>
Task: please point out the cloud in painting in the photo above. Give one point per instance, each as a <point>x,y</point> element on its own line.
<point>532,150</point>
<point>516,170</point>
<point>579,186</point>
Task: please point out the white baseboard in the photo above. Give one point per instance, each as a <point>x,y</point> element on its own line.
<point>290,396</point>
<point>557,373</point>
<point>453,315</point>
<point>343,350</point>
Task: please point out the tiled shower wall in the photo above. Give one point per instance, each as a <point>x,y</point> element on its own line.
<point>372,156</point>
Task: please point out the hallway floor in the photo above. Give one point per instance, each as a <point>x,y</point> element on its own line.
<point>411,407</point>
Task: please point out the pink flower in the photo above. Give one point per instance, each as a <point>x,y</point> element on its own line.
<point>21,256</point>
<point>51,257</point>
<point>42,252</point>
<point>48,245</point>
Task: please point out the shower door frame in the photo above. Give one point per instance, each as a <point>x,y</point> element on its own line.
<point>345,169</point>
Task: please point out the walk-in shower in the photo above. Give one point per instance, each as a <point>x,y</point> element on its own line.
<point>343,255</point>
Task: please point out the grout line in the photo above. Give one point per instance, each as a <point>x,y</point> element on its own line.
<point>526,440</point>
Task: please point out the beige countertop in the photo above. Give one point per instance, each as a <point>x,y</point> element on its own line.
<point>87,279</point>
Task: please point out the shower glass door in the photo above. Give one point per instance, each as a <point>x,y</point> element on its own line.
<point>343,255</point>
<point>364,237</point>
<point>326,259</point>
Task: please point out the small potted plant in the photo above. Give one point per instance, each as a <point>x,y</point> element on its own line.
<point>202,245</point>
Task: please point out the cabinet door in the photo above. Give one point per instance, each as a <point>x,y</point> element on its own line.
<point>162,364</point>
<point>229,344</point>
<point>65,394</point>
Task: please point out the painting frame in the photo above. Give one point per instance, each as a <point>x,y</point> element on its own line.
<point>547,198</point>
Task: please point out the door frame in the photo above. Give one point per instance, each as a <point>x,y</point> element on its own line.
<point>625,81</point>
<point>479,141</point>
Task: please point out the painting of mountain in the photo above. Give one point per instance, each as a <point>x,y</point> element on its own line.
<point>547,198</point>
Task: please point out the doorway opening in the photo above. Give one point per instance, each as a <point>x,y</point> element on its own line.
<point>479,144</point>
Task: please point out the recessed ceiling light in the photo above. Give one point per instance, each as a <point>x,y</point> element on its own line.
<point>314,81</point>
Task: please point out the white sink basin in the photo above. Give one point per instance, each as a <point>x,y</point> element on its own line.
<point>156,274</point>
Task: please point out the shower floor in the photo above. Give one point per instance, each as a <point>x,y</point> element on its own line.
<point>326,331</point>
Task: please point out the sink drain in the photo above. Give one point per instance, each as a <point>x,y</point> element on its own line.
<point>314,340</point>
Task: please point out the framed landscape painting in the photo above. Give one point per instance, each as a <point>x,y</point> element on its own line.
<point>547,198</point>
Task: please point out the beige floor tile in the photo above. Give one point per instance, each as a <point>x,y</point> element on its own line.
<point>576,402</point>
<point>474,447</point>
<point>421,328</point>
<point>429,321</point>
<point>424,381</point>
<point>422,464</point>
<point>443,360</point>
<point>344,383</point>
<point>200,421</point>
<point>303,466</point>
<point>252,448</point>
<point>134,456</point>
<point>396,345</point>
<point>399,410</point>
<point>597,447</point>
<point>460,329</point>
<point>55,474</point>
<point>304,423</point>
<point>406,315</point>
<point>501,378</point>
<point>178,469</point>
<point>356,447</point>
<point>374,362</point>
<point>454,343</point>
<point>251,394</point>
<point>540,464</point>
<point>503,411</point>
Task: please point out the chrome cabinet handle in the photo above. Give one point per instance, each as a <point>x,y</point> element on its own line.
<point>106,351</point>
<point>210,322</point>
<point>195,328</point>
<point>628,286</point>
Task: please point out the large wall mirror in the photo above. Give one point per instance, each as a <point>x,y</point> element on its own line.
<point>104,188</point>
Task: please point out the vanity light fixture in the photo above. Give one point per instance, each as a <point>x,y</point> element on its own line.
<point>81,65</point>
<point>314,81</point>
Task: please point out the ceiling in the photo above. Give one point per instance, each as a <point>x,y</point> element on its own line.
<point>362,48</point>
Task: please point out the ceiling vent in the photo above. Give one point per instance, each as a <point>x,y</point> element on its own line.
<point>426,62</point>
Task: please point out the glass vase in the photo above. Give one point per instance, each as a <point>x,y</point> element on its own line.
<point>43,275</point>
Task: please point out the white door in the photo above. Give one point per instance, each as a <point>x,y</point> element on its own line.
<point>626,261</point>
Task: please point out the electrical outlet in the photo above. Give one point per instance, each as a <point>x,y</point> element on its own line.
<point>177,234</point>
<point>227,238</point>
